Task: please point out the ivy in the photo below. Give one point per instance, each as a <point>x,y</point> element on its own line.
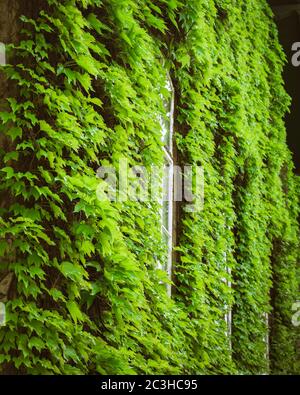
<point>87,84</point>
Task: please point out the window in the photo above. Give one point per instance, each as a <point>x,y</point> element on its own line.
<point>167,126</point>
<point>266,317</point>
<point>228,317</point>
<point>228,314</point>
<point>5,284</point>
<point>2,55</point>
<point>2,314</point>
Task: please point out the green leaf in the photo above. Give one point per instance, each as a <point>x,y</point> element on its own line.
<point>87,63</point>
<point>37,343</point>
<point>74,310</point>
<point>9,171</point>
<point>73,271</point>
<point>14,133</point>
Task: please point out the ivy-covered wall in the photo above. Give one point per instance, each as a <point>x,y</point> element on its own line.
<point>87,82</point>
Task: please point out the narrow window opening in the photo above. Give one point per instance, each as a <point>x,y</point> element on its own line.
<point>267,338</point>
<point>2,54</point>
<point>228,309</point>
<point>167,127</point>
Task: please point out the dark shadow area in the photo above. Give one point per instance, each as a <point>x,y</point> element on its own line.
<point>287,16</point>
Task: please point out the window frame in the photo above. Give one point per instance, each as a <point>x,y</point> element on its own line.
<point>168,187</point>
<point>2,54</point>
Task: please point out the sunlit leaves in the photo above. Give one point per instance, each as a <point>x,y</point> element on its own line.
<point>87,296</point>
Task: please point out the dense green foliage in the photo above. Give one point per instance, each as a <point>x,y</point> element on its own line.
<point>88,81</point>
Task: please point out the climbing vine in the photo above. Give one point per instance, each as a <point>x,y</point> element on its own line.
<point>87,86</point>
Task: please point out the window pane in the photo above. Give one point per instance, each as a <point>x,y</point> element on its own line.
<point>166,197</point>
<point>166,123</point>
<point>2,55</point>
<point>166,241</point>
<point>165,129</point>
